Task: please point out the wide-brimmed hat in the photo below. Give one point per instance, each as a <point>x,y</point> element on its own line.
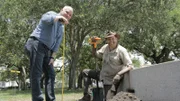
<point>111,34</point>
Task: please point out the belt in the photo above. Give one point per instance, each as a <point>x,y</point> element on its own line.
<point>33,37</point>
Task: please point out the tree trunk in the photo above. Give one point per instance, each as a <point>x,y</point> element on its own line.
<point>163,57</point>
<point>72,71</point>
<point>22,79</point>
<point>80,78</point>
<point>72,78</point>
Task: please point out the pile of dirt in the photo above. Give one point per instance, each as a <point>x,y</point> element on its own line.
<point>124,96</point>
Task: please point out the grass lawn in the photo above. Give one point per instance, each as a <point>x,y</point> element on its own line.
<point>15,95</point>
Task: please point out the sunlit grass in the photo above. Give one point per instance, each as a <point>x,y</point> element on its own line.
<point>15,95</point>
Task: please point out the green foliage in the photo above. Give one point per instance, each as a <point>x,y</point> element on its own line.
<point>136,63</point>
<point>87,60</point>
<point>151,29</point>
<point>148,26</point>
<point>8,76</point>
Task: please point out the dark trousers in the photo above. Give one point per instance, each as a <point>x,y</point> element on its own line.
<point>87,75</point>
<point>107,92</point>
<point>39,56</point>
<point>111,90</point>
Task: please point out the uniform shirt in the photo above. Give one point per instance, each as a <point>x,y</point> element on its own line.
<point>112,62</point>
<point>49,32</point>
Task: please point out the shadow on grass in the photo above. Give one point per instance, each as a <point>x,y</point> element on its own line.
<point>12,91</point>
<point>67,91</point>
<point>15,91</point>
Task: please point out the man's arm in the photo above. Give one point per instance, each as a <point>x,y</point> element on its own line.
<point>52,58</point>
<point>53,54</point>
<point>48,17</point>
<point>93,50</point>
<point>126,62</point>
<point>118,76</point>
<point>127,65</point>
<point>128,68</point>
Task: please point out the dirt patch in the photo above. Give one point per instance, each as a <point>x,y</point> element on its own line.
<point>124,96</point>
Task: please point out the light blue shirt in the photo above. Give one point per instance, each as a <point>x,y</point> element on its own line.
<point>49,32</point>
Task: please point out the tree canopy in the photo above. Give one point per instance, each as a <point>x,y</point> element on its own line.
<point>149,27</point>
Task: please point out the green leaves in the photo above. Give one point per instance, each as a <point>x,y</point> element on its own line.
<point>151,28</point>
<point>148,26</point>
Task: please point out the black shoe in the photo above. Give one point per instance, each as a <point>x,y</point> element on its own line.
<point>85,98</point>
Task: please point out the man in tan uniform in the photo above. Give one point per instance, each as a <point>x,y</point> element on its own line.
<point>115,62</point>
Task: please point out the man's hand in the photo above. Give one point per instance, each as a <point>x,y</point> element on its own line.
<point>116,79</point>
<point>51,61</point>
<point>93,38</point>
<point>62,19</point>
